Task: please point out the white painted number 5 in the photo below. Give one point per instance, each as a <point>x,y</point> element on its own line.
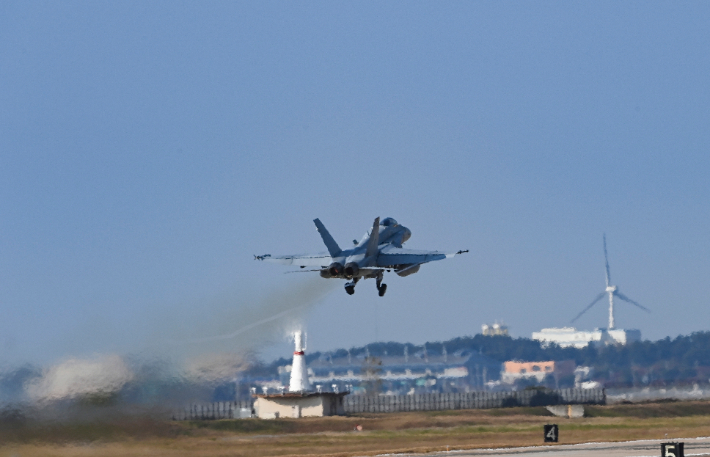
<point>670,451</point>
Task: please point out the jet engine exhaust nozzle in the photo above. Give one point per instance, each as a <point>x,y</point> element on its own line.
<point>335,269</point>
<point>351,270</point>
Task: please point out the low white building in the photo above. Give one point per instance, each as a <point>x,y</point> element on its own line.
<point>301,404</point>
<point>571,337</point>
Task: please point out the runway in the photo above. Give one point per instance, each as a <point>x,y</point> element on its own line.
<point>694,447</point>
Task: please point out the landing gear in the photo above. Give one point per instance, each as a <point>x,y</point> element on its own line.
<point>381,288</point>
<point>350,286</point>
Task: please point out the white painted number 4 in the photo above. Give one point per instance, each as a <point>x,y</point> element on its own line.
<point>551,435</point>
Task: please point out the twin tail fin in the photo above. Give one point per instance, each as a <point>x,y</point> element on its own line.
<point>333,248</point>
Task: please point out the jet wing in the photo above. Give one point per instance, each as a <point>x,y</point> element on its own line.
<point>391,256</point>
<point>303,260</point>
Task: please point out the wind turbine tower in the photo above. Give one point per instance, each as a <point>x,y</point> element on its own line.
<point>609,288</point>
<point>613,291</point>
<point>569,336</point>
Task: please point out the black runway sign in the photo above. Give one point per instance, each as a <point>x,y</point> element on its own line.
<point>672,450</point>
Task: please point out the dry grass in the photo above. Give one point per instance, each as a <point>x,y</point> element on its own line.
<point>400,432</point>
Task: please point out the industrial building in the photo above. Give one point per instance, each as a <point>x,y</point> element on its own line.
<point>400,374</point>
<point>514,370</point>
<point>571,337</point>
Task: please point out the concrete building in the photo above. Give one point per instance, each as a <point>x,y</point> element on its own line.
<point>514,370</point>
<point>299,404</point>
<point>571,337</point>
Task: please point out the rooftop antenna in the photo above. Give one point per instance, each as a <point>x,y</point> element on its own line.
<point>613,291</point>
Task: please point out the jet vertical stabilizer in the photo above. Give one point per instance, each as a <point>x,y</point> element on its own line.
<point>374,240</point>
<point>333,248</point>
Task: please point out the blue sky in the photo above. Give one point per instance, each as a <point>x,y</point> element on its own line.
<point>147,150</point>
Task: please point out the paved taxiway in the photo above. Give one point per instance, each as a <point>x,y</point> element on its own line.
<point>694,447</point>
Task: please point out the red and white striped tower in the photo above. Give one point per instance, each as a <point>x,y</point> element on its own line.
<point>299,373</point>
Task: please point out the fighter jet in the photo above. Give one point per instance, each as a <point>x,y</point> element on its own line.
<point>379,250</point>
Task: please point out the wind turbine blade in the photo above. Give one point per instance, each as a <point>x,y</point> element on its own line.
<point>606,261</point>
<point>627,299</point>
<point>599,297</point>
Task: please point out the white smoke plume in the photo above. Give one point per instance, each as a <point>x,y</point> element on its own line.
<point>80,377</point>
<point>211,368</point>
<point>231,327</point>
<point>210,347</point>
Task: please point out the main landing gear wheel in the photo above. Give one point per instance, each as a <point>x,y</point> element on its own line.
<point>350,286</point>
<point>382,289</point>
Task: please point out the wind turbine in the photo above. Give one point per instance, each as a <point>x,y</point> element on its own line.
<point>613,291</point>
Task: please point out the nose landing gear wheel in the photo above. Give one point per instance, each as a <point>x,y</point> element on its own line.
<point>382,289</point>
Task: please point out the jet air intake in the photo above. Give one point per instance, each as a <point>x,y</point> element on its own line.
<point>335,269</point>
<point>406,235</point>
<point>351,270</point>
